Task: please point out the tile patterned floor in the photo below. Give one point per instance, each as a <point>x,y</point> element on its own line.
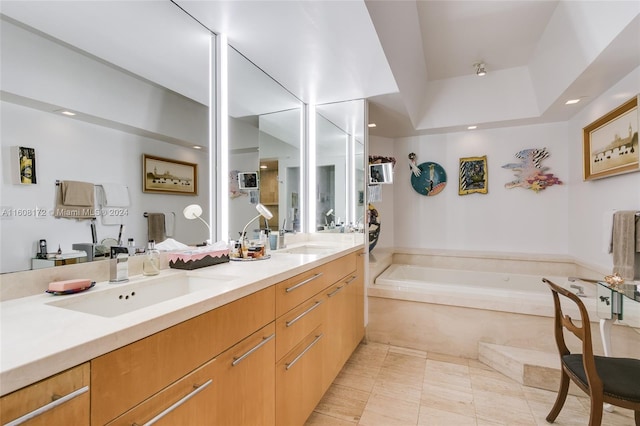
<point>384,385</point>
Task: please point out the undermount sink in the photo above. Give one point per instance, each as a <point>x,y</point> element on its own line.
<point>129,297</point>
<point>309,249</point>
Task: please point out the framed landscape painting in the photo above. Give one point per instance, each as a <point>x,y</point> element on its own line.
<point>167,176</point>
<point>611,143</point>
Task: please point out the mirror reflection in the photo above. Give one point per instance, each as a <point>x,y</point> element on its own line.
<point>264,138</point>
<point>135,84</point>
<point>340,166</point>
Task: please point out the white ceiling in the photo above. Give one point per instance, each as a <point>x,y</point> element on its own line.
<point>412,59</point>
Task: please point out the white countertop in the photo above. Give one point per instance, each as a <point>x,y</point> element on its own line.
<point>39,340</point>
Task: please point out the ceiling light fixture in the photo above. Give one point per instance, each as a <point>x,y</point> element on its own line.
<point>65,112</point>
<point>472,127</point>
<point>480,69</point>
<point>572,101</point>
<point>197,147</point>
<point>264,166</point>
<point>371,125</point>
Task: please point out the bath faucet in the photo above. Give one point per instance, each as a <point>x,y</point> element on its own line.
<point>580,289</point>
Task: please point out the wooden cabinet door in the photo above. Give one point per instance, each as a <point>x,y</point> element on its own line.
<point>189,401</point>
<point>338,322</point>
<point>62,399</point>
<point>299,381</point>
<point>246,382</point>
<point>127,376</point>
<point>359,298</point>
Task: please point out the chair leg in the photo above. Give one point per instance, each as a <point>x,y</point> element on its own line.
<point>562,396</point>
<point>595,415</point>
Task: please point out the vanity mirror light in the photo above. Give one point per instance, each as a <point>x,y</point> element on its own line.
<point>265,137</point>
<point>136,76</point>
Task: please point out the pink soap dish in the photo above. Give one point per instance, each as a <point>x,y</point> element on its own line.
<point>70,291</point>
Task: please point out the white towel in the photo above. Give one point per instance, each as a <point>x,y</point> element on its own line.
<point>115,195</point>
<point>113,199</point>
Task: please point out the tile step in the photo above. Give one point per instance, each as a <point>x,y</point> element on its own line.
<point>526,366</point>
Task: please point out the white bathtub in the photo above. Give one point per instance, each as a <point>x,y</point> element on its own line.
<point>495,291</point>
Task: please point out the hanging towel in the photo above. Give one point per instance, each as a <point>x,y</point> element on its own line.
<point>75,200</point>
<point>157,227</point>
<point>115,195</point>
<point>114,200</point>
<point>624,243</point>
<point>607,231</point>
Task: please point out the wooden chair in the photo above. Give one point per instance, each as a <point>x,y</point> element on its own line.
<point>605,379</point>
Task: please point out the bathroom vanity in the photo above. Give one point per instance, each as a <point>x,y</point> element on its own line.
<point>288,323</point>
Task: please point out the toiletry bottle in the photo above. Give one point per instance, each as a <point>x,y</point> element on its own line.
<point>151,263</point>
<point>131,247</point>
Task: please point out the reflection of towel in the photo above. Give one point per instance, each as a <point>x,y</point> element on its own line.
<point>114,195</point>
<point>113,198</point>
<point>157,228</point>
<point>624,243</point>
<point>607,231</point>
<point>75,200</point>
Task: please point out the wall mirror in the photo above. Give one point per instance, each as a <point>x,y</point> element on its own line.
<point>339,196</point>
<point>264,137</point>
<point>136,76</point>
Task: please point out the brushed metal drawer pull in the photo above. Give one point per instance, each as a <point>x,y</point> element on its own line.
<point>334,292</point>
<point>300,284</point>
<point>301,354</point>
<point>49,406</point>
<point>296,319</point>
<point>353,277</point>
<point>236,360</point>
<point>179,403</point>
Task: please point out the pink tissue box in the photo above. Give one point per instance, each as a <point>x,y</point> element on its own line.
<point>198,258</point>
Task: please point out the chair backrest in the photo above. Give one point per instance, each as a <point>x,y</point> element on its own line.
<point>583,332</point>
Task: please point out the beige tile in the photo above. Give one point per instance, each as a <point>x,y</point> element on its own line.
<point>503,409</point>
<point>318,419</point>
<point>397,390</point>
<point>459,401</point>
<point>343,403</point>
<point>354,380</point>
<point>430,416</point>
<point>382,410</point>
<point>447,358</point>
<point>406,351</point>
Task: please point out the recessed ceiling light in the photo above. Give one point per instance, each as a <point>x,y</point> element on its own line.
<point>472,127</point>
<point>572,101</point>
<point>481,69</point>
<point>263,166</point>
<point>66,112</point>
<point>197,147</point>
<point>371,125</point>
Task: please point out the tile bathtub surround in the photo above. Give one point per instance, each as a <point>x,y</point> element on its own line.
<point>384,385</point>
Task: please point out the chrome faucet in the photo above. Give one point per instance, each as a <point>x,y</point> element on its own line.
<point>580,290</point>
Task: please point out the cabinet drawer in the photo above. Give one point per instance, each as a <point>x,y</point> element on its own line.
<point>187,401</point>
<point>246,382</point>
<point>69,389</point>
<point>293,326</point>
<point>299,380</point>
<point>290,293</point>
<point>125,377</point>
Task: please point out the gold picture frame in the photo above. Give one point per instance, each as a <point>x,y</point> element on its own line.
<point>473,175</point>
<point>167,176</point>
<point>611,143</point>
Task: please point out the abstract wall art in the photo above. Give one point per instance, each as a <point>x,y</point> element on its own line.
<point>530,174</point>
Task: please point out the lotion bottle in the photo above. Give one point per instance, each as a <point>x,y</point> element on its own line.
<point>151,263</point>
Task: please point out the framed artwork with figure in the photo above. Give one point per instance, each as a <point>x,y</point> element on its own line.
<point>611,143</point>
<point>167,176</point>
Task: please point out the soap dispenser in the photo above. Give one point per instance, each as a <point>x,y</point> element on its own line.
<point>151,263</point>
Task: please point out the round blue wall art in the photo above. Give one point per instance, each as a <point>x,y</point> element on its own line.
<point>431,181</point>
